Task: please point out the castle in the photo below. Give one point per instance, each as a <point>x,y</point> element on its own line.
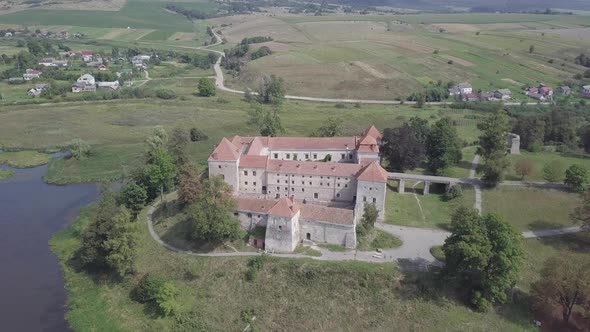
<point>302,188</point>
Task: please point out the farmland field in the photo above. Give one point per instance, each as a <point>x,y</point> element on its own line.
<point>384,57</point>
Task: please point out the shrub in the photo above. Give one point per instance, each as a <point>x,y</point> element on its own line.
<point>146,289</point>
<point>206,87</point>
<point>198,135</point>
<point>165,94</point>
<point>80,149</point>
<point>454,192</point>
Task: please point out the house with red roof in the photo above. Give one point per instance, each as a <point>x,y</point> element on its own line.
<point>302,188</point>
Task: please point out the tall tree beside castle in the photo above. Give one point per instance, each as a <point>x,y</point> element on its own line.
<point>443,147</point>
<point>492,146</point>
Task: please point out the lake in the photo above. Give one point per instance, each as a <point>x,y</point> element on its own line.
<point>32,291</point>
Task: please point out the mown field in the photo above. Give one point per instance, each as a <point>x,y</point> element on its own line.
<point>387,57</point>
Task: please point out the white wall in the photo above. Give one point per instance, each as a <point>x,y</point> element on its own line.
<point>321,232</point>
<point>372,192</point>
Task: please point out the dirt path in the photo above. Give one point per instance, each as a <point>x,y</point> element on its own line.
<point>476,187</point>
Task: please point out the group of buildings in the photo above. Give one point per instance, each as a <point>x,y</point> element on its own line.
<point>464,92</point>
<point>302,188</point>
<point>87,83</point>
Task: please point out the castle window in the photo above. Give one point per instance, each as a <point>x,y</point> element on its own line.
<point>302,190</point>
<point>245,172</point>
<point>254,173</point>
<point>316,195</point>
<point>315,156</point>
<point>343,156</point>
<point>249,215</point>
<point>294,156</point>
<point>321,183</point>
<point>286,181</point>
<point>280,228</point>
<point>310,183</point>
<point>288,156</point>
<point>286,188</point>
<point>328,184</point>
<point>246,182</point>
<point>276,156</point>
<point>374,200</point>
<point>219,166</point>
<point>364,198</point>
<point>292,189</point>
<point>350,156</point>
<point>307,156</point>
<point>321,177</point>
<point>235,214</point>
<point>346,185</point>
<point>337,195</point>
<point>278,188</point>
<point>370,188</point>
<point>254,183</point>
<point>303,182</point>
<point>292,181</point>
<point>338,184</point>
<point>278,181</point>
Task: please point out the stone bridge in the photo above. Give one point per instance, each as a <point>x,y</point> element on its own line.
<point>401,178</point>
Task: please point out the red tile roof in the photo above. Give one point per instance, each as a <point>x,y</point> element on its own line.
<point>312,168</point>
<point>256,146</point>
<point>373,172</point>
<point>254,204</point>
<point>311,143</point>
<point>285,207</point>
<point>374,132</point>
<point>330,215</point>
<point>225,151</point>
<point>86,53</point>
<point>248,161</point>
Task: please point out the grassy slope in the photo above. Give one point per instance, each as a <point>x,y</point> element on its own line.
<point>531,208</point>
<point>331,296</point>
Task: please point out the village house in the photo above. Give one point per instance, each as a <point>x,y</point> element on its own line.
<point>503,94</point>
<point>470,97</point>
<point>586,91</point>
<point>541,93</point>
<point>565,90</point>
<point>108,85</point>
<point>460,89</point>
<point>31,74</point>
<point>36,91</point>
<point>142,57</point>
<point>102,67</point>
<point>85,83</point>
<point>87,55</point>
<point>302,188</point>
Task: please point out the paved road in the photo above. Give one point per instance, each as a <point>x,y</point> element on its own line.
<point>476,187</point>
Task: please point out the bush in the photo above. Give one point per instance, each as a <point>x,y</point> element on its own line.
<point>206,87</point>
<point>480,303</point>
<point>454,192</point>
<point>165,94</point>
<point>147,287</point>
<point>198,135</point>
<point>79,149</point>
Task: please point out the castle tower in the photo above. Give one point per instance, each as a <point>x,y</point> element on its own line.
<point>371,188</point>
<point>224,162</point>
<point>282,227</point>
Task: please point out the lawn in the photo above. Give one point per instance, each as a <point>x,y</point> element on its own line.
<point>377,239</point>
<point>24,159</point>
<point>214,292</point>
<point>531,208</point>
<point>540,159</point>
<point>429,211</point>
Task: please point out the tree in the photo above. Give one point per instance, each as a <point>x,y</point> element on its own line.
<point>159,172</point>
<point>524,168</point>
<point>421,129</point>
<point>79,149</point>
<point>492,146</point>
<point>269,122</point>
<point>584,134</point>
<point>271,90</point>
<point>401,148</point>
<point>189,184</point>
<point>331,128</point>
<point>553,171</point>
<point>133,197</point>
<point>206,87</point>
<point>370,215</point>
<point>108,243</point>
<point>483,257</point>
<point>576,177</point>
<point>443,148</point>
<point>582,213</point>
<point>198,135</point>
<point>565,281</point>
<point>532,132</point>
<point>177,144</point>
<point>34,48</point>
<point>158,139</point>
<point>210,216</point>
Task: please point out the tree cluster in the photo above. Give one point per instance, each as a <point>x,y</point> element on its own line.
<point>483,257</point>
<point>493,147</point>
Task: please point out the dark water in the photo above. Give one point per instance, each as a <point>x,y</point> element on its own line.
<point>32,295</point>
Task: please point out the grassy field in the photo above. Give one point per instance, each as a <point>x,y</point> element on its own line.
<point>24,159</point>
<point>5,174</point>
<point>214,292</point>
<point>117,129</point>
<point>531,208</point>
<point>540,159</point>
<point>430,211</point>
<point>377,239</point>
<point>384,57</point>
